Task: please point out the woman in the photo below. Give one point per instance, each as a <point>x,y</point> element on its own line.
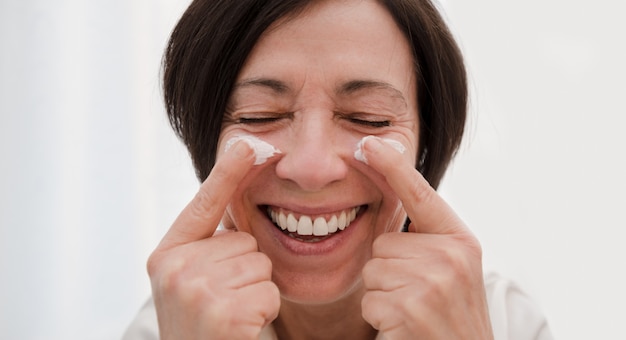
<point>360,105</point>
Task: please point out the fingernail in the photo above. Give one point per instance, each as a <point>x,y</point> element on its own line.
<point>374,144</point>
<point>241,150</point>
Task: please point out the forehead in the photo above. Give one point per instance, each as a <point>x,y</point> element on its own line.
<point>334,43</point>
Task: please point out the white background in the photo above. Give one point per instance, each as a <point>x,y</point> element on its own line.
<point>91,176</point>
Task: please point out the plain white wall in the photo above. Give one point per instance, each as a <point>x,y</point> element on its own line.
<point>541,176</point>
<point>91,173</point>
<point>91,176</point>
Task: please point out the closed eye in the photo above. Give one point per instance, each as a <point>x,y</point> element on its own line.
<point>260,120</point>
<point>370,123</point>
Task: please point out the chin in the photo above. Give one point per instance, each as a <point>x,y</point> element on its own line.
<point>322,291</point>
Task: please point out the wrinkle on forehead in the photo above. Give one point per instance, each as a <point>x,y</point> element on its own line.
<point>354,86</point>
<point>351,88</point>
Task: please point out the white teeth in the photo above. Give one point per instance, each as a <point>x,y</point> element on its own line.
<point>306,226</point>
<point>292,224</point>
<point>341,221</point>
<point>282,220</point>
<point>332,225</point>
<point>320,227</point>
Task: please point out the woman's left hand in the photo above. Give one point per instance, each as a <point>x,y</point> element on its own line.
<point>427,283</point>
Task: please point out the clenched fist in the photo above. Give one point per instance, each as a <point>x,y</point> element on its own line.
<point>427,283</point>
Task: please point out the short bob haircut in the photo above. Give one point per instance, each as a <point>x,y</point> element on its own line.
<point>213,38</point>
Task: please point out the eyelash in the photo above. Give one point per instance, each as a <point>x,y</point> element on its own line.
<point>267,120</point>
<point>253,121</point>
<point>371,123</point>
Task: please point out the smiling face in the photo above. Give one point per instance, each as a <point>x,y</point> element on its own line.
<point>313,87</point>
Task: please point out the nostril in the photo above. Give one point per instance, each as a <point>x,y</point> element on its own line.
<point>311,172</point>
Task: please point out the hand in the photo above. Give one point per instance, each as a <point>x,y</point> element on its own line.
<point>426,283</point>
<point>209,285</point>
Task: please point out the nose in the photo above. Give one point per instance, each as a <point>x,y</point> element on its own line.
<point>313,159</point>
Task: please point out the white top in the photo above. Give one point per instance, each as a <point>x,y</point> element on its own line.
<point>513,315</point>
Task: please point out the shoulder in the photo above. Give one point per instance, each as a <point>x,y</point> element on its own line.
<point>513,314</point>
<point>144,326</point>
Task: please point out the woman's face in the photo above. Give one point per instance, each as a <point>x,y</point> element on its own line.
<point>313,87</point>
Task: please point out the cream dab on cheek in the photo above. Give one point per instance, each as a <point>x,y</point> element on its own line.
<point>262,150</point>
<point>358,154</point>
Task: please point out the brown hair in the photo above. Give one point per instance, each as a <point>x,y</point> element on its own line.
<point>212,40</point>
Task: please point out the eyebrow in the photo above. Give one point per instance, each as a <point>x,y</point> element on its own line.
<point>272,84</point>
<point>354,86</point>
<point>346,89</point>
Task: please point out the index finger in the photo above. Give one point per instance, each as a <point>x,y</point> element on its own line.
<point>200,218</point>
<point>428,212</point>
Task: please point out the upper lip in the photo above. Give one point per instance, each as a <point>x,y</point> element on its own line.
<point>312,210</point>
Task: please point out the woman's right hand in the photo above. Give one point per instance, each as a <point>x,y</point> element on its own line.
<point>209,285</point>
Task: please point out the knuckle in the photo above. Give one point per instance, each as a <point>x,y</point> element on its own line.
<point>434,291</point>
<point>366,302</point>
<point>269,288</point>
<point>373,311</point>
<point>219,312</point>
<point>381,242</point>
<point>239,241</point>
<point>157,264</point>
<point>167,274</point>
<point>237,267</point>
<point>366,272</point>
<point>457,266</point>
<point>366,310</point>
<point>465,260</point>
<point>263,262</point>
<point>256,263</point>
<point>153,264</point>
<point>274,294</point>
<point>246,243</point>
<point>421,191</point>
<point>370,271</point>
<point>247,239</point>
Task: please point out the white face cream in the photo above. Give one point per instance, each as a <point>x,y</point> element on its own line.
<point>262,150</point>
<point>358,154</point>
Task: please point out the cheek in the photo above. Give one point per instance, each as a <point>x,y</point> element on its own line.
<point>237,216</point>
<point>388,214</point>
<point>241,212</point>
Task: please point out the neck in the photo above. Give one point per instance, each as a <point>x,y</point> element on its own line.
<point>338,320</point>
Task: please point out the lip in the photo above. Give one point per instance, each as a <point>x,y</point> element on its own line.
<point>326,245</point>
<point>311,210</point>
